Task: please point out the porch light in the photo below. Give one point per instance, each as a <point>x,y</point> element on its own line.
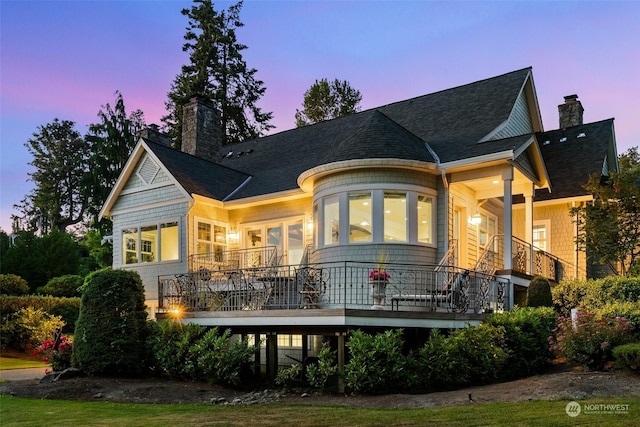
<point>310,225</point>
<point>233,235</point>
<point>475,219</point>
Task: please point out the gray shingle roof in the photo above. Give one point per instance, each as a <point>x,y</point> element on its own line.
<point>196,175</point>
<point>451,122</point>
<point>571,162</point>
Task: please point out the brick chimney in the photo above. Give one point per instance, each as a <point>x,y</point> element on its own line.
<point>570,112</point>
<point>201,132</point>
<point>152,133</point>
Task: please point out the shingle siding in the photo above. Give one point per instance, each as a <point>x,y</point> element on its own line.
<point>519,122</point>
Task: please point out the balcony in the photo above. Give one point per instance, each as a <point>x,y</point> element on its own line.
<point>544,264</point>
<point>233,284</point>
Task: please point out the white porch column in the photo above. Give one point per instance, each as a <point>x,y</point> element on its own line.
<point>507,178</point>
<point>528,222</point>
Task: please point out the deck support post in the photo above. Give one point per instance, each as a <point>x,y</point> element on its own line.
<point>341,354</point>
<point>272,356</point>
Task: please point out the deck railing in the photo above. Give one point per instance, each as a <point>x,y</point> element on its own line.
<point>334,285</point>
<point>544,263</point>
<point>234,259</point>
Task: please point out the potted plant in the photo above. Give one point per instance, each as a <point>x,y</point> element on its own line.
<point>378,279</point>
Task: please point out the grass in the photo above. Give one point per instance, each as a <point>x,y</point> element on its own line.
<point>26,412</point>
<point>20,361</point>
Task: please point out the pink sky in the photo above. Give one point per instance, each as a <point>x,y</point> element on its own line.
<point>65,59</point>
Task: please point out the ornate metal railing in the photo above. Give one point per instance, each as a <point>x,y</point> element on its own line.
<point>234,259</point>
<point>334,285</point>
<point>544,263</point>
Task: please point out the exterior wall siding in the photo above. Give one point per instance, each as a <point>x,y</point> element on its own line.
<point>519,122</point>
<point>149,272</point>
<point>375,176</point>
<point>396,252</point>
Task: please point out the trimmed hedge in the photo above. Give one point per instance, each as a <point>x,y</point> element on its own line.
<point>112,329</point>
<point>10,284</point>
<point>539,293</point>
<point>628,356</point>
<point>595,294</point>
<point>64,286</point>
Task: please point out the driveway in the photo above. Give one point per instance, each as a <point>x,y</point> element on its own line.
<point>22,374</point>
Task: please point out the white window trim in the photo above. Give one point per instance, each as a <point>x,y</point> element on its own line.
<point>547,226</point>
<point>377,201</point>
<point>212,222</point>
<point>158,245</point>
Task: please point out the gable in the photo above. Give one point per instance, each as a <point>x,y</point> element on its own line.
<point>147,184</point>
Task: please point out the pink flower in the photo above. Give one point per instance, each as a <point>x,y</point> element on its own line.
<point>377,274</point>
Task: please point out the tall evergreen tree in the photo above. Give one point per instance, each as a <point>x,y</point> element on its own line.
<point>327,100</point>
<point>112,141</point>
<point>60,158</point>
<point>216,70</point>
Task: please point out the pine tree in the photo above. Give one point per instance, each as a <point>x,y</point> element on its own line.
<point>217,71</point>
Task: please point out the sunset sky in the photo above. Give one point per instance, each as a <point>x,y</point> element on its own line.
<point>65,59</point>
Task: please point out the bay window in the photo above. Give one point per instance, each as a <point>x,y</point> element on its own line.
<point>375,216</point>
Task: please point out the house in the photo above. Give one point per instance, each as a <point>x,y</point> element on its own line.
<point>423,213</point>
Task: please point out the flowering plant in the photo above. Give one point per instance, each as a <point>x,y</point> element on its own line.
<point>379,274</point>
<point>56,352</point>
<point>591,340</point>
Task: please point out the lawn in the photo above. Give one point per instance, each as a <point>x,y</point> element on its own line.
<point>19,361</point>
<point>24,412</point>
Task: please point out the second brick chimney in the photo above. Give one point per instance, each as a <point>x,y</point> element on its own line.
<point>201,132</point>
<point>570,112</point>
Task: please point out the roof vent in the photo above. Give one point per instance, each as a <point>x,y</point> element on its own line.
<point>582,135</point>
<point>229,154</point>
<point>563,139</point>
<point>547,142</point>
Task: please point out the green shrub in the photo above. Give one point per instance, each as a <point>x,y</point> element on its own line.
<point>595,294</point>
<point>441,364</point>
<point>590,342</point>
<point>318,374</point>
<point>10,284</point>
<point>67,308</point>
<point>112,330</point>
<point>170,343</point>
<point>628,356</point>
<point>289,378</point>
<point>569,294</point>
<point>377,364</point>
<point>222,359</point>
<point>483,348</point>
<point>526,339</point>
<point>33,327</point>
<point>539,293</point>
<point>63,286</point>
<point>628,310</point>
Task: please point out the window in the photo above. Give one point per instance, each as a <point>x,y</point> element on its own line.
<point>285,340</point>
<point>377,216</point>
<point>211,237</point>
<point>359,217</point>
<point>425,219</point>
<point>486,229</point>
<point>541,235</point>
<point>150,243</point>
<point>331,220</point>
<point>395,217</point>
<point>286,237</point>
